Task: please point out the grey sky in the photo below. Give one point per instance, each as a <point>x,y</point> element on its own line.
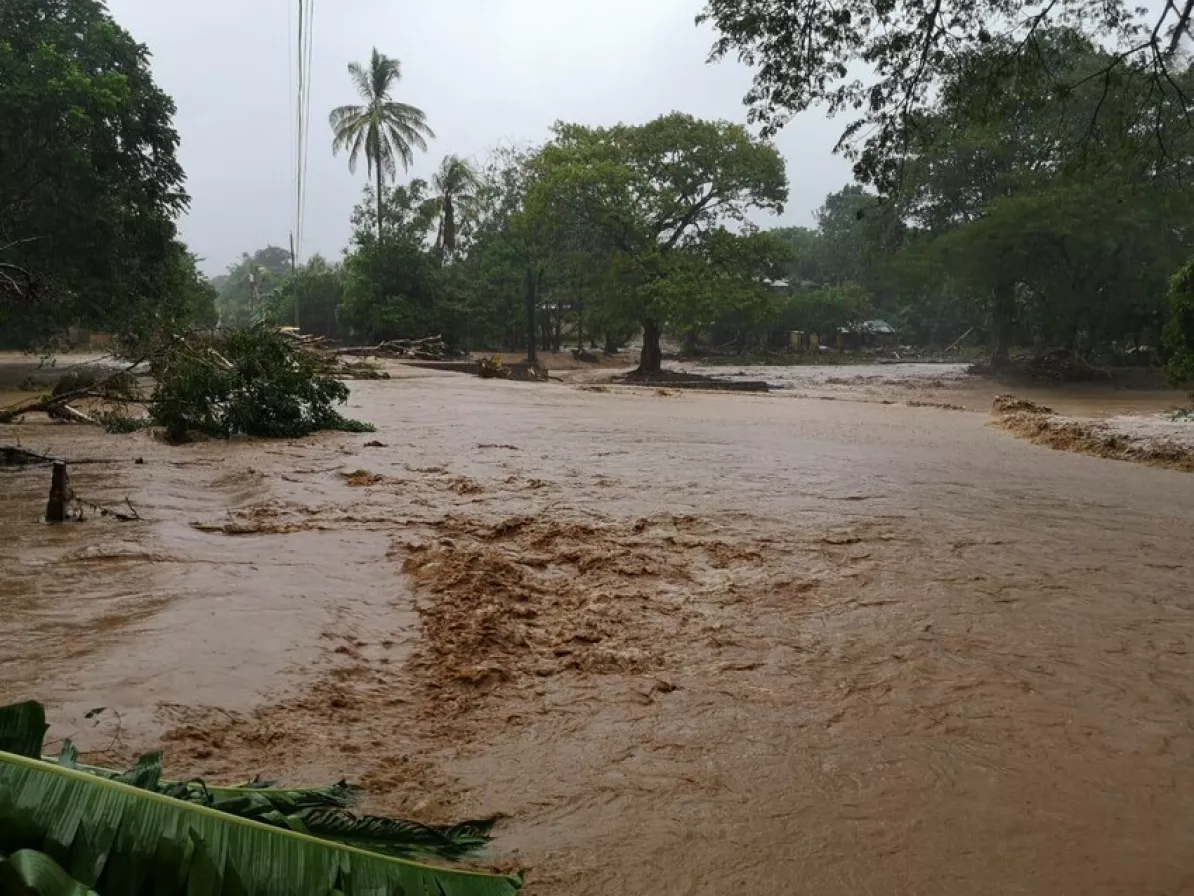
<point>486,72</point>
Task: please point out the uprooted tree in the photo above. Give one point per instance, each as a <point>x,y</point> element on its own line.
<point>217,383</point>
<point>251,382</point>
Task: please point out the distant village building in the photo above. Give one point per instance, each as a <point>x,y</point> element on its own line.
<point>866,334</point>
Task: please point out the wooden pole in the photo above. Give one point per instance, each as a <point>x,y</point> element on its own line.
<point>56,507</point>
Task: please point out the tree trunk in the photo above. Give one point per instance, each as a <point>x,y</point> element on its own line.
<point>59,494</point>
<point>532,357</point>
<point>650,362</point>
<point>1002,316</point>
<point>379,206</point>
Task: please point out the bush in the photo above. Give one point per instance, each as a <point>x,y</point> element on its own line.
<point>252,382</point>
<point>1178,338</point>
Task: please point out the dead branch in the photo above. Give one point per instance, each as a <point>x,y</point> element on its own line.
<point>67,414</point>
<point>131,517</point>
<point>13,456</point>
<point>429,348</point>
<point>59,405</point>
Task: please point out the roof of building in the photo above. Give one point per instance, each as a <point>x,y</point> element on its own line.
<point>874,327</point>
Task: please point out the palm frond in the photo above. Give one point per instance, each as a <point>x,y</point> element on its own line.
<point>356,148</point>
<point>115,838</point>
<point>146,774</point>
<point>457,184</point>
<point>345,119</point>
<point>362,80</point>
<point>384,72</point>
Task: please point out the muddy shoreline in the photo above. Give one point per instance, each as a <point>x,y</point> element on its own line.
<point>683,643</point>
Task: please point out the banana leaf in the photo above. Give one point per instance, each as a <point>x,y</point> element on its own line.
<point>247,800</point>
<point>31,873</point>
<point>321,812</point>
<point>111,837</point>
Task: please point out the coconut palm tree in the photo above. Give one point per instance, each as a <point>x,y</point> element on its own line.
<point>456,185</point>
<point>387,132</point>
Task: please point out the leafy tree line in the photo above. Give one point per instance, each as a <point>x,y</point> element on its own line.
<point>89,184</point>
<point>1039,154</point>
<point>1010,220</point>
<point>1037,195</point>
<point>1022,215</point>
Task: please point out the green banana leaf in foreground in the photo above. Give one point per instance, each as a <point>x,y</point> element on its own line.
<point>67,831</point>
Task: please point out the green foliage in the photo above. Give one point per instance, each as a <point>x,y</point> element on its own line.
<point>317,288</point>
<point>1179,330</point>
<point>655,201</point>
<point>456,185</point>
<point>806,53</point>
<point>89,183</point>
<point>826,310</point>
<point>67,828</point>
<point>804,264</point>
<point>244,292</point>
<point>396,287</point>
<point>1023,227</point>
<point>251,382</point>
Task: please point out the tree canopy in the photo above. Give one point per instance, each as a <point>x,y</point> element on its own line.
<point>659,200</point>
<point>882,63</point>
<point>89,183</point>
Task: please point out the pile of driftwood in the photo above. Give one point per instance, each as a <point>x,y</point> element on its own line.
<point>328,351</point>
<point>429,348</point>
<point>309,341</point>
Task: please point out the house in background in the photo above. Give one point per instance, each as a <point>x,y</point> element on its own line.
<point>866,334</point>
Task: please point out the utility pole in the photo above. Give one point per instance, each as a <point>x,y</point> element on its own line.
<point>254,294</point>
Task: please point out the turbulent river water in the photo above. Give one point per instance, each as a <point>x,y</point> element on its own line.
<point>684,642</point>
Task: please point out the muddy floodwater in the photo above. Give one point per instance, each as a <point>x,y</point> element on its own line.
<point>683,642</point>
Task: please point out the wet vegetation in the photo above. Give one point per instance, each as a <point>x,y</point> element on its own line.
<point>135,832</point>
<point>252,382</point>
<point>1037,198</point>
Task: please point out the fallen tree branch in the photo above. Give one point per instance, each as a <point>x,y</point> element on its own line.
<point>13,456</point>
<point>68,414</point>
<point>58,404</point>
<point>131,517</point>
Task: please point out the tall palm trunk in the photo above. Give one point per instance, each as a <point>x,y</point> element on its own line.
<point>379,205</point>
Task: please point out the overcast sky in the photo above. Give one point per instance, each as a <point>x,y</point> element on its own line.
<point>486,72</point>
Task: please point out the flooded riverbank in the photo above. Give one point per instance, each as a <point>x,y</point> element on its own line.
<point>684,642</point>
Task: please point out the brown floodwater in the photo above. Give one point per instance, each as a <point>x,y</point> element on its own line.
<point>684,642</point>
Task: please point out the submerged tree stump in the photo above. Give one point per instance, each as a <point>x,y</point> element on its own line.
<point>60,496</point>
